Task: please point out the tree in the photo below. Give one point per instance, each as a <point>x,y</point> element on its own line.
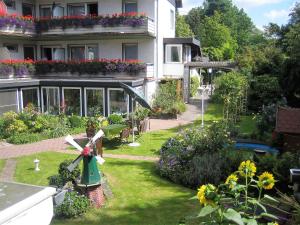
<point>182,28</point>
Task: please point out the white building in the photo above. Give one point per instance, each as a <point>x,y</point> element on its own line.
<point>83,49</point>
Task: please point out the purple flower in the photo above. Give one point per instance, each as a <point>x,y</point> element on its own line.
<point>21,70</point>
<point>6,70</point>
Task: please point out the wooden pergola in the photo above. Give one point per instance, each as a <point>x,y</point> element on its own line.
<point>220,65</point>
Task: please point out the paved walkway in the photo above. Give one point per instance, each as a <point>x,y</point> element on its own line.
<point>8,170</point>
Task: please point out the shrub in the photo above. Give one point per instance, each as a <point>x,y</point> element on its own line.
<point>77,121</point>
<point>65,174</point>
<point>73,205</point>
<point>24,138</point>
<point>41,123</point>
<point>16,126</point>
<point>115,119</point>
<point>195,82</point>
<point>56,180</point>
<point>196,156</point>
<point>167,100</point>
<point>59,131</point>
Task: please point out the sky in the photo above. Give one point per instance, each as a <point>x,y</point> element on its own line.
<point>262,12</point>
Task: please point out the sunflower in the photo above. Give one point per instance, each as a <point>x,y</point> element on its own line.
<point>231,180</point>
<point>206,194</point>
<point>247,168</point>
<point>266,181</point>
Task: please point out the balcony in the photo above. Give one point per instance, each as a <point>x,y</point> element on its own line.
<point>101,68</point>
<point>117,24</point>
<point>17,26</point>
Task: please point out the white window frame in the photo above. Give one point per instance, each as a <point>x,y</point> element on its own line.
<point>17,97</point>
<point>108,99</point>
<point>42,97</point>
<point>167,54</point>
<point>68,88</point>
<point>38,93</point>
<point>85,98</point>
<point>82,3</point>
<point>129,1</point>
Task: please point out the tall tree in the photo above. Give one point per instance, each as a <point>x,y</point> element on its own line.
<point>182,28</point>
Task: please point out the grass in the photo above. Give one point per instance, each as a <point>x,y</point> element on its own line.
<point>247,125</point>
<point>2,163</point>
<point>140,195</point>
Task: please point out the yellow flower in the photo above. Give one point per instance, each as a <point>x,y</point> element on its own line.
<point>247,168</point>
<point>204,194</point>
<point>266,181</point>
<point>231,180</point>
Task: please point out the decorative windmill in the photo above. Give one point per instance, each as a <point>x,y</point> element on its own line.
<point>90,178</point>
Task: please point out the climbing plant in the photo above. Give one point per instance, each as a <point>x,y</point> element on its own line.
<point>231,89</point>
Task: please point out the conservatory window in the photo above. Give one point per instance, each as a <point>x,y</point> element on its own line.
<point>72,101</point>
<point>9,101</point>
<point>77,53</point>
<point>76,10</point>
<point>117,101</point>
<point>50,100</point>
<point>58,11</point>
<point>30,96</point>
<point>46,11</point>
<point>173,53</point>
<point>94,101</point>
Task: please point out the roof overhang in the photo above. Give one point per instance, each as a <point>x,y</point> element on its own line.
<point>176,3</point>
<point>187,41</point>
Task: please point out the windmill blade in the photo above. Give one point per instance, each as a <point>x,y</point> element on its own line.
<point>70,140</point>
<point>72,166</point>
<point>100,160</point>
<point>99,134</point>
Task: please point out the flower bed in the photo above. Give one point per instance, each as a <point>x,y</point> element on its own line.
<point>124,19</point>
<point>20,68</point>
<point>16,22</point>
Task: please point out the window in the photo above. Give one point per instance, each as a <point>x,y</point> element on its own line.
<point>50,100</point>
<point>117,101</point>
<point>172,19</point>
<point>11,4</point>
<point>28,9</point>
<point>130,6</point>
<point>72,101</point>
<point>76,10</point>
<point>92,9</point>
<point>29,52</point>
<point>77,53</point>
<point>46,11</point>
<point>130,51</point>
<point>173,53</point>
<point>82,52</point>
<point>58,11</point>
<point>187,54</point>
<point>53,53</point>
<point>12,48</point>
<point>9,101</point>
<point>94,101</point>
<point>30,96</point>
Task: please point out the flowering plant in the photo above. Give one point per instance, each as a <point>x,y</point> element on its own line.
<point>230,202</point>
<point>16,67</point>
<point>20,22</point>
<point>125,19</point>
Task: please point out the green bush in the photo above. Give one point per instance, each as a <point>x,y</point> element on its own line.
<point>56,180</point>
<point>24,138</point>
<point>17,126</point>
<point>77,121</point>
<point>65,174</point>
<point>167,100</point>
<point>73,205</point>
<point>195,82</point>
<point>198,156</point>
<point>115,119</point>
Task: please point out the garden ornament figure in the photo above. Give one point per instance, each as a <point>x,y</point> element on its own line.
<point>90,177</point>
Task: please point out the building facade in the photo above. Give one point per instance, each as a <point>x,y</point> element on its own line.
<point>70,56</point>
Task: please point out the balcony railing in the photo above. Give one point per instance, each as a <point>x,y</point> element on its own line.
<point>90,68</point>
<point>115,24</point>
<point>130,23</point>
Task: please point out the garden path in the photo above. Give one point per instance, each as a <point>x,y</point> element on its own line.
<point>8,170</point>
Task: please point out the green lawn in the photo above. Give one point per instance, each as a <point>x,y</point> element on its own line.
<point>140,195</point>
<point>247,125</point>
<point>2,163</point>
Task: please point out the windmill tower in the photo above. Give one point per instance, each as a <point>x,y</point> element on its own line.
<point>90,178</point>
